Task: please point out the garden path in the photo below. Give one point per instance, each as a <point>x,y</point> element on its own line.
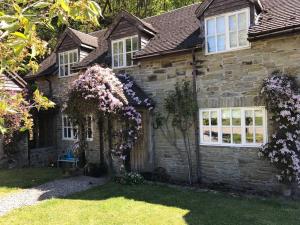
<point>53,189</point>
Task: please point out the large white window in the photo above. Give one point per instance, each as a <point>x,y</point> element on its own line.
<point>70,132</point>
<point>66,61</point>
<point>233,126</point>
<point>123,51</point>
<point>227,31</point>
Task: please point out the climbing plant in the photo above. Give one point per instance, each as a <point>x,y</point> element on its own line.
<point>283,101</point>
<point>179,107</point>
<point>99,91</point>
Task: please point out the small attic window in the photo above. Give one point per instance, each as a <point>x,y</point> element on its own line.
<point>66,61</point>
<point>227,32</point>
<point>123,51</point>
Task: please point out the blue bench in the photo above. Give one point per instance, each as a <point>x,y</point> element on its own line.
<point>69,157</point>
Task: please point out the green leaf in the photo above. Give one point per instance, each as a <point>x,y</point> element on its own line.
<point>20,35</point>
<point>41,5</point>
<point>8,18</point>
<point>9,26</point>
<point>17,8</point>
<point>18,48</point>
<point>64,5</point>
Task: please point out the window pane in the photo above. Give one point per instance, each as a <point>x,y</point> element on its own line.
<point>121,50</point>
<point>71,57</point>
<point>214,134</point>
<point>75,133</point>
<point>206,134</point>
<point>65,132</point>
<point>211,45</point>
<point>214,118</point>
<point>115,48</point>
<point>135,43</point>
<point>236,117</point>
<point>226,135</point>
<point>220,25</point>
<point>66,58</point>
<point>226,117</point>
<point>69,133</point>
<point>116,61</point>
<point>258,118</point>
<point>205,118</point>
<point>128,59</point>
<point>249,135</point>
<point>233,39</point>
<point>75,57</point>
<point>210,27</point>
<point>232,23</point>
<point>221,42</point>
<point>243,38</point>
<point>66,70</point>
<point>128,45</point>
<point>237,135</point>
<point>61,58</point>
<point>61,71</point>
<point>121,60</point>
<point>242,21</point>
<point>259,135</point>
<point>249,117</point>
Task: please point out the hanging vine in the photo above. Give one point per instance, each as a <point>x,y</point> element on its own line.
<point>283,150</point>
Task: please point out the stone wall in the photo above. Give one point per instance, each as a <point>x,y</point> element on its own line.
<point>43,157</point>
<point>231,79</point>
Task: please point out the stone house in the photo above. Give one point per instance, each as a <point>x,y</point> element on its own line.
<point>230,45</point>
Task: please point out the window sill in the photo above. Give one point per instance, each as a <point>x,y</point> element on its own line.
<point>69,139</point>
<point>232,146</point>
<point>124,67</point>
<point>228,51</point>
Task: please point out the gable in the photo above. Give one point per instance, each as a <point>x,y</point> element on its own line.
<point>225,6</point>
<point>67,43</point>
<point>123,29</point>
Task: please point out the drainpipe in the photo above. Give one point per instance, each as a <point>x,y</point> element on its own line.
<point>196,118</point>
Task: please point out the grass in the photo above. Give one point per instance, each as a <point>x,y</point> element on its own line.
<point>17,179</point>
<point>114,204</point>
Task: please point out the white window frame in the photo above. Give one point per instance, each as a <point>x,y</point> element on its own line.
<point>72,138</point>
<point>92,130</point>
<point>124,51</point>
<point>243,127</point>
<point>227,39</point>
<point>68,64</point>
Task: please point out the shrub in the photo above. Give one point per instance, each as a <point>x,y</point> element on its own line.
<point>131,178</point>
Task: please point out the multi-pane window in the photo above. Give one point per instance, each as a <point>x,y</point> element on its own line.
<point>233,126</point>
<point>123,51</point>
<point>227,31</point>
<point>66,61</point>
<point>70,132</point>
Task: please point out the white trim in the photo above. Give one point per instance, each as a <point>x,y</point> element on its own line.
<point>242,126</point>
<point>227,38</point>
<point>68,63</point>
<point>123,40</point>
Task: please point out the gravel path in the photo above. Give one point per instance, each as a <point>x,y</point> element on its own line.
<point>57,188</point>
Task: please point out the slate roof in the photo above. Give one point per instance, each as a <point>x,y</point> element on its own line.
<point>180,29</point>
<point>277,15</point>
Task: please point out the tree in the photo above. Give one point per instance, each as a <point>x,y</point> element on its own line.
<point>180,106</point>
<point>21,47</point>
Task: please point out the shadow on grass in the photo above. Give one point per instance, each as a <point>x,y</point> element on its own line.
<point>204,208</point>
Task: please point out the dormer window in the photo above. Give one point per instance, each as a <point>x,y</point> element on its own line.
<point>227,32</point>
<point>66,61</point>
<point>123,51</point>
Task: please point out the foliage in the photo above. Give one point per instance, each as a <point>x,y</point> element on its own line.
<point>283,150</point>
<point>20,45</point>
<point>180,107</point>
<point>15,111</point>
<point>99,91</point>
<point>130,178</point>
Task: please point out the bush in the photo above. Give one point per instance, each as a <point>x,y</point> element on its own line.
<point>130,178</point>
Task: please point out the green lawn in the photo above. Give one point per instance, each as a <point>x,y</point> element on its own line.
<point>114,204</point>
<point>17,179</point>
